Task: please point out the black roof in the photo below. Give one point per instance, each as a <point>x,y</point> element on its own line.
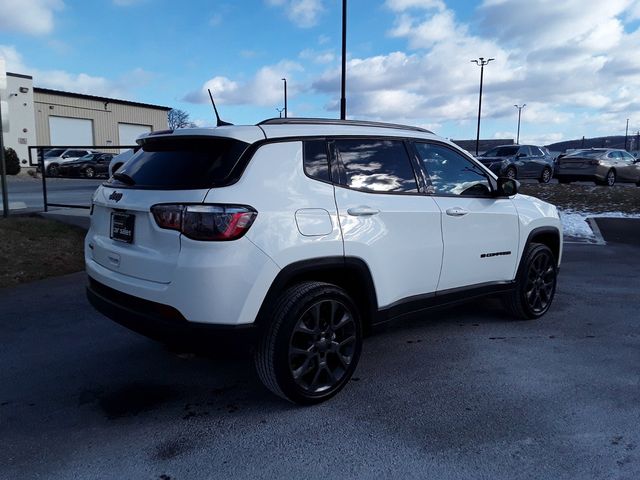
<point>101,99</point>
<point>19,75</point>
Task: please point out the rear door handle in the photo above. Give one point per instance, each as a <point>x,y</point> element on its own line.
<point>362,211</point>
<point>456,212</point>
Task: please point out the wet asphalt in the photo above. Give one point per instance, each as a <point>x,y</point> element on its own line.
<point>451,394</point>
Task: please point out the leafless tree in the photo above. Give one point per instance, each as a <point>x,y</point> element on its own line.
<point>179,119</point>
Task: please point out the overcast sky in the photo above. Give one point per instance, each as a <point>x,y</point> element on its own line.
<point>575,63</point>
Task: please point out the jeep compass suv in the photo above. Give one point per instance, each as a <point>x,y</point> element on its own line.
<point>306,233</point>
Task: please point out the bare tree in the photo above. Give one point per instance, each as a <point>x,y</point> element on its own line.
<point>179,119</point>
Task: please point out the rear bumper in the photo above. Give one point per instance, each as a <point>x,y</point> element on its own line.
<point>161,322</point>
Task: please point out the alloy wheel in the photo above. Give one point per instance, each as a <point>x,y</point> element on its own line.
<point>611,178</point>
<point>541,283</point>
<point>546,175</point>
<point>89,172</point>
<point>511,173</point>
<point>322,346</point>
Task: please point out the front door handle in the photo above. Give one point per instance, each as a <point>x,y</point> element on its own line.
<point>362,211</point>
<point>457,212</point>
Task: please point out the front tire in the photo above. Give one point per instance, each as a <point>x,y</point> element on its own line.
<point>609,180</point>
<point>90,172</point>
<point>535,283</point>
<point>546,175</point>
<point>511,173</point>
<point>52,171</point>
<point>311,348</point>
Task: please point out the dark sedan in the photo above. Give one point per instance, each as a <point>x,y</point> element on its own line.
<point>604,166</point>
<point>519,161</point>
<point>90,166</point>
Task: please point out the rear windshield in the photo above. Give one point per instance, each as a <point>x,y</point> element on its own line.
<point>185,163</point>
<point>585,153</point>
<point>501,152</point>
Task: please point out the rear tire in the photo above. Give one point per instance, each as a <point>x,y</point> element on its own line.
<point>535,283</point>
<point>311,348</point>
<point>52,171</point>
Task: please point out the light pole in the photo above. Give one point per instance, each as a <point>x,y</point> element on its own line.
<point>343,82</point>
<point>626,135</point>
<point>285,97</point>
<point>519,107</point>
<point>280,110</point>
<point>481,62</point>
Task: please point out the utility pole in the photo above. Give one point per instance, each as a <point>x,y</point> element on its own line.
<point>481,62</point>
<point>3,172</point>
<point>3,165</point>
<point>285,97</point>
<point>343,86</point>
<point>519,107</point>
<point>626,135</point>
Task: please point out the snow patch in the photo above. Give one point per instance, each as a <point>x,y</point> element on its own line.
<point>575,223</point>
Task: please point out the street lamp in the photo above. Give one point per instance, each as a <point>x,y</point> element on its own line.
<point>519,107</point>
<point>280,110</point>
<point>285,97</point>
<point>481,62</point>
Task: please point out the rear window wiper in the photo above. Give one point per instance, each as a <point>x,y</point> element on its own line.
<point>124,178</point>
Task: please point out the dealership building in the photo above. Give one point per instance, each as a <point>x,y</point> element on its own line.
<point>42,117</point>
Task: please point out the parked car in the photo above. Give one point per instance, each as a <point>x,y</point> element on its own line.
<point>90,166</point>
<point>119,160</point>
<point>304,234</point>
<point>54,158</point>
<point>520,161</point>
<point>604,166</point>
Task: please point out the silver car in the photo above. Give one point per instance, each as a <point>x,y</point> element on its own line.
<point>605,166</point>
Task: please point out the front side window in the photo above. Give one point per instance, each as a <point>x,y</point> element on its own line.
<point>524,151</point>
<point>450,173</point>
<point>376,165</point>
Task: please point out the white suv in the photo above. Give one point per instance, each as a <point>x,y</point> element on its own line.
<point>306,233</point>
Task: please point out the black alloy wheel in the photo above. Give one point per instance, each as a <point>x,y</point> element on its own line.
<point>511,173</point>
<point>312,344</point>
<point>52,171</point>
<point>611,178</point>
<point>89,172</point>
<point>546,175</point>
<point>541,283</point>
<point>535,283</point>
<point>322,346</point>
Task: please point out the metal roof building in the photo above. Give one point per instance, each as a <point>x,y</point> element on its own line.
<point>41,116</point>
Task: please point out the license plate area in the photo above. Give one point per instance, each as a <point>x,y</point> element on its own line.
<point>122,226</point>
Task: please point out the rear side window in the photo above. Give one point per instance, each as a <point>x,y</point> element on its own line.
<point>376,165</point>
<point>316,160</point>
<point>184,163</point>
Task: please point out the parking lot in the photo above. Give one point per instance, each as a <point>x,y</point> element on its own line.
<point>459,393</point>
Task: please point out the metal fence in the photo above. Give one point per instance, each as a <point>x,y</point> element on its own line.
<point>40,158</point>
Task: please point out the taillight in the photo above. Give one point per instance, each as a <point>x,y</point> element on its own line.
<point>205,222</point>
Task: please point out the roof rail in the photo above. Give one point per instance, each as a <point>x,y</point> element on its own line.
<point>332,121</point>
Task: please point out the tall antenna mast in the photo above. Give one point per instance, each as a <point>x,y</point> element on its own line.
<point>219,122</point>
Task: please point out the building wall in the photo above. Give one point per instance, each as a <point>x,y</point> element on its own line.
<point>105,114</point>
<point>22,128</point>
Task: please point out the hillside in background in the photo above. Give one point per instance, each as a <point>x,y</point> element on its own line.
<point>614,141</point>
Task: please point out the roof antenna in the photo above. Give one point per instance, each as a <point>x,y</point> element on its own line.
<point>219,123</point>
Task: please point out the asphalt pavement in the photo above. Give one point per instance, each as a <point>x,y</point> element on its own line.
<point>464,393</point>
<point>26,192</point>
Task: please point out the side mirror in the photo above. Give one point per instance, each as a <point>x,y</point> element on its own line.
<point>65,156</point>
<point>507,187</point>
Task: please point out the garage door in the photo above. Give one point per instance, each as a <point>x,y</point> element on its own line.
<point>71,131</point>
<point>128,132</point>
